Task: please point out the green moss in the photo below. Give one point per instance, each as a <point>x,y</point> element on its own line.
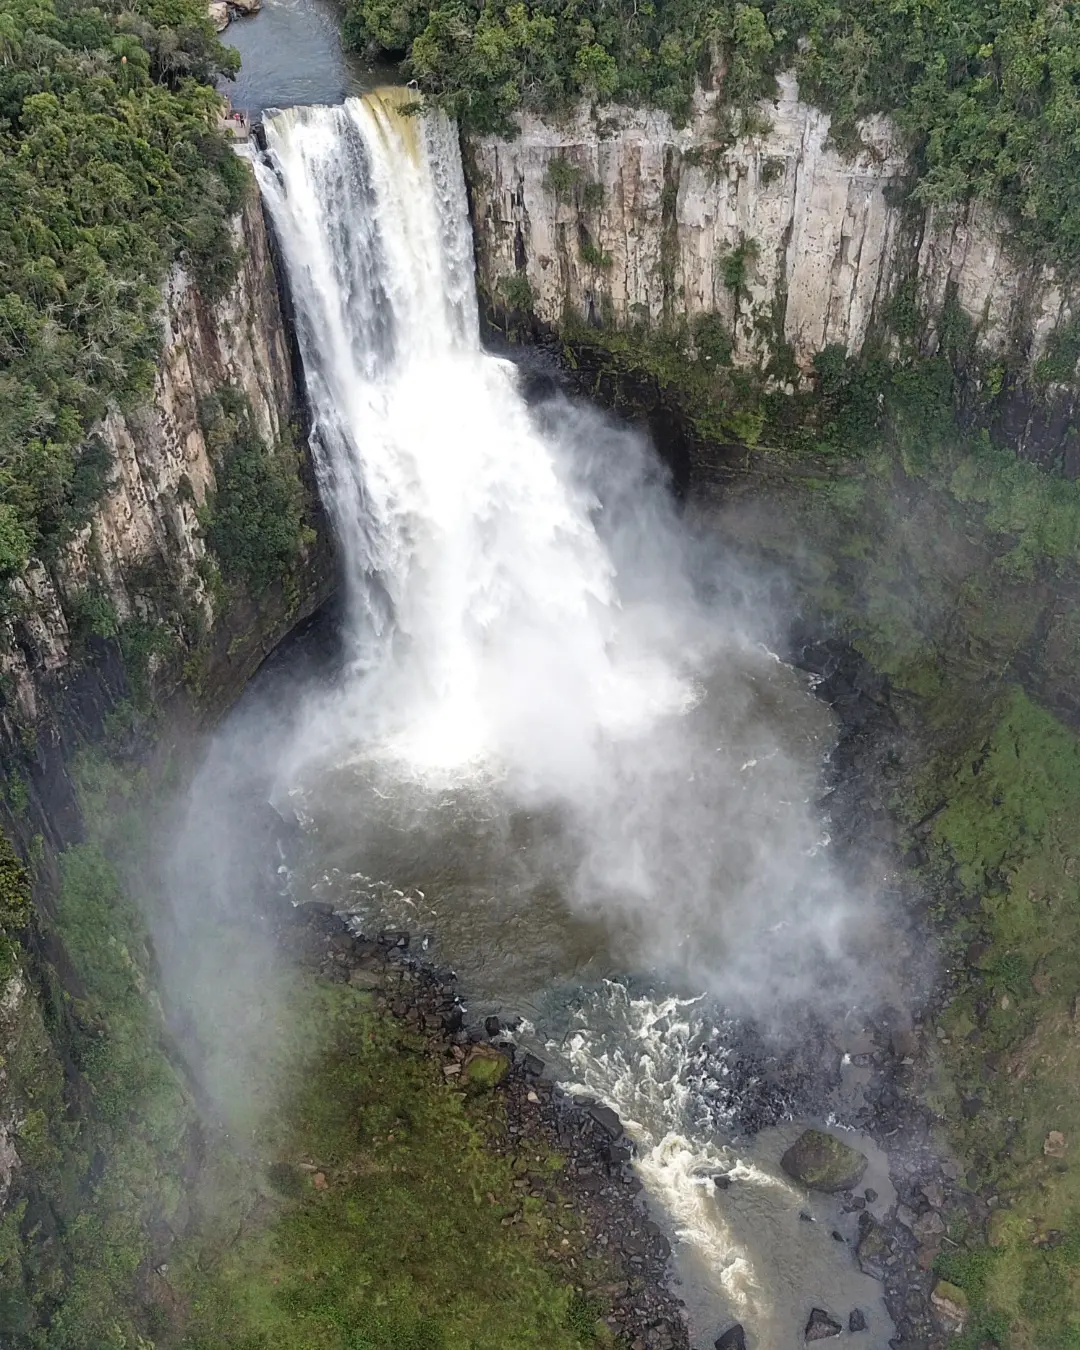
<point>393,1228</point>
<point>486,1068</point>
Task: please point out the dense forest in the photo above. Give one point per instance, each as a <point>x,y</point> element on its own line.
<point>111,169</point>
<point>987,91</point>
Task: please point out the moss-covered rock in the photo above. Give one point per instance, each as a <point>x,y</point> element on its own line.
<point>823,1162</point>
<point>485,1067</point>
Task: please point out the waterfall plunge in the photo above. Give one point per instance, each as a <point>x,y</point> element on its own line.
<point>482,600</point>
<point>520,610</point>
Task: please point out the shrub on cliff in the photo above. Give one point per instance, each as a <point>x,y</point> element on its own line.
<point>111,168</point>
<point>253,520</point>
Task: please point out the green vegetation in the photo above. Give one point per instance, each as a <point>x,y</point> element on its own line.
<point>111,168</point>
<point>253,521</point>
<point>517,293</point>
<point>103,1142</point>
<point>14,905</point>
<point>561,178</point>
<point>1003,851</point>
<point>485,62</point>
<point>987,91</point>
<point>385,1219</point>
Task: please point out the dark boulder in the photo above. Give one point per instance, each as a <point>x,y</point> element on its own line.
<point>732,1339</point>
<point>821,1327</point>
<point>857,1320</point>
<point>608,1121</point>
<point>872,1249</point>
<point>823,1162</point>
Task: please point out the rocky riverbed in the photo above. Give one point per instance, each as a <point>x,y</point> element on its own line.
<point>597,1204</point>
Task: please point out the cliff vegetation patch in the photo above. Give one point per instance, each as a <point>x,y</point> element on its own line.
<point>986,91</point>
<point>111,169</point>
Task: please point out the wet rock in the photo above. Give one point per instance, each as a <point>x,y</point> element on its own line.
<point>821,1327</point>
<point>732,1339</point>
<point>608,1121</point>
<point>492,1026</point>
<point>856,1321</point>
<point>394,937</point>
<point>929,1226</point>
<point>823,1162</point>
<point>903,1042</point>
<point>533,1066</point>
<point>870,1194</point>
<point>872,1250</point>
<point>722,1181</point>
<point>950,1308</point>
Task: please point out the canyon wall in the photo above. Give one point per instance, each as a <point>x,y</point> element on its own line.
<point>129,642</point>
<point>782,236</point>
<point>141,550</point>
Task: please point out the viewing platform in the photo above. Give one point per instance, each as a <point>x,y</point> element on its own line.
<point>235,122</point>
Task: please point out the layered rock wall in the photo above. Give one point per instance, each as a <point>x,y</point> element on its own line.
<point>162,470</point>
<point>648,229</point>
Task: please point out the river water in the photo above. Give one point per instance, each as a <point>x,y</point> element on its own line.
<point>557,747</point>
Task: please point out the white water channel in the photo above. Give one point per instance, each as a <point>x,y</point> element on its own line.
<point>556,749</point>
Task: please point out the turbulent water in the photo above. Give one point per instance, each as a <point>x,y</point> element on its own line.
<point>562,748</point>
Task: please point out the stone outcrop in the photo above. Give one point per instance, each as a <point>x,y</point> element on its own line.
<point>777,232</point>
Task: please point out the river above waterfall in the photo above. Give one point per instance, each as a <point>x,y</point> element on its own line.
<point>292,53</point>
<point>558,747</point>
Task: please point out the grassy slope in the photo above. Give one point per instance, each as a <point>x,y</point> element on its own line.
<point>404,1248</point>
<point>378,1218</point>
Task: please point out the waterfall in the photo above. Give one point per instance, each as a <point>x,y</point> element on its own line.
<point>555,748</point>
<point>482,599</point>
<point>522,609</point>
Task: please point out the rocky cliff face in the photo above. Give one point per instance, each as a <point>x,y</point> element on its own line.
<point>139,560</point>
<point>162,470</point>
<point>782,236</point>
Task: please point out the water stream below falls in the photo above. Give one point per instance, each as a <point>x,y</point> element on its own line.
<point>561,752</point>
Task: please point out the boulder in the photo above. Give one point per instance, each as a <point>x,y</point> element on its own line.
<point>485,1067</point>
<point>857,1320</point>
<point>949,1306</point>
<point>732,1339</point>
<point>823,1162</point>
<point>872,1249</point>
<point>821,1327</point>
<point>608,1121</point>
<point>218,14</point>
<point>246,6</point>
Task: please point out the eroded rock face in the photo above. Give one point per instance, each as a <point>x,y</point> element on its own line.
<point>161,466</point>
<point>823,1162</point>
<point>654,212</point>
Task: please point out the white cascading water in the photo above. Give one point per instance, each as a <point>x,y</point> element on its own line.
<point>508,628</point>
<point>467,549</point>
